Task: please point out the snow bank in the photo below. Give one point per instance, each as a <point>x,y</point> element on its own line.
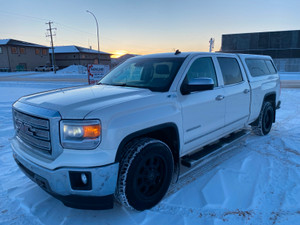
<point>289,76</point>
<point>254,182</point>
<point>74,72</point>
<point>74,69</point>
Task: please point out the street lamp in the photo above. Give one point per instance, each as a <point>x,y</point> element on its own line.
<point>97,34</point>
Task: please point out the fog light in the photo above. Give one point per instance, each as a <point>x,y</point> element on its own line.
<point>80,180</point>
<point>83,178</point>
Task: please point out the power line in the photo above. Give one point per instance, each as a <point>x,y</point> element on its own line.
<point>17,14</point>
<point>75,29</point>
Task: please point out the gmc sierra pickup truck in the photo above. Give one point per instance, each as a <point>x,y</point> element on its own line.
<point>125,138</point>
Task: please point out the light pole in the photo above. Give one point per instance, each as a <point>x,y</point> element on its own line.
<point>97,34</point>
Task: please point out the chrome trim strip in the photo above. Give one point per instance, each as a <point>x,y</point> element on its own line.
<point>196,138</point>
<point>34,131</point>
<point>36,122</point>
<point>53,118</point>
<point>193,128</point>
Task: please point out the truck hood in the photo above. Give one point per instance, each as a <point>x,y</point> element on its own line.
<point>77,102</point>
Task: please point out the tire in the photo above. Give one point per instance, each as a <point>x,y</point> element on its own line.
<point>145,173</point>
<point>265,120</point>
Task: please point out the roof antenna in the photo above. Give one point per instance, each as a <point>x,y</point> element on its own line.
<point>177,52</point>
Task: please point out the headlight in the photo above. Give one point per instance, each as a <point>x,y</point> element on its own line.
<point>80,134</point>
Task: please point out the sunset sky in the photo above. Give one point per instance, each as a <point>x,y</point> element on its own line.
<point>144,26</point>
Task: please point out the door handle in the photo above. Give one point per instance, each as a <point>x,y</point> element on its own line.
<point>220,97</point>
<point>246,91</point>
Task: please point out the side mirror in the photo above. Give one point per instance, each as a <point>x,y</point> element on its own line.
<point>197,84</point>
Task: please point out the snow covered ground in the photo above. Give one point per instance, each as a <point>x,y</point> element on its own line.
<point>73,72</point>
<point>256,182</point>
<point>289,76</point>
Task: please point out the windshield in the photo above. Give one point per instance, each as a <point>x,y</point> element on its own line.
<point>156,74</point>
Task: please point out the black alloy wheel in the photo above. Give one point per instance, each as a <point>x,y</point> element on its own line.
<point>145,173</point>
<point>268,118</point>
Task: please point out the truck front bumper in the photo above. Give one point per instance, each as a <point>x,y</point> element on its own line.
<point>83,188</point>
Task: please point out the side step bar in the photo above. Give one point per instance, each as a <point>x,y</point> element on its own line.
<point>206,151</point>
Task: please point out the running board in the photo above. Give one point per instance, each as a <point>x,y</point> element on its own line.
<point>206,151</point>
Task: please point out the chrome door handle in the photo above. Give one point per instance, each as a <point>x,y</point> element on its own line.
<point>246,91</point>
<point>220,97</point>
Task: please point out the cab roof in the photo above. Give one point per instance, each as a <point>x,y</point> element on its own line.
<point>186,54</point>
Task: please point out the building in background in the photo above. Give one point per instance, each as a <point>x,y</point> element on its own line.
<point>20,55</point>
<point>282,46</point>
<point>75,55</point>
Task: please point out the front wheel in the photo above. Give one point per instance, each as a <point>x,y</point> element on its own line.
<point>145,173</point>
<point>265,120</point>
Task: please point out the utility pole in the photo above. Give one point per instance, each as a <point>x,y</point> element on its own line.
<point>51,36</point>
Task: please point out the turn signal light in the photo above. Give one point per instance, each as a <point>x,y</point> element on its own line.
<point>91,131</point>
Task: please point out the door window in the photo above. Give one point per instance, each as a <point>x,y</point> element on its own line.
<point>202,68</point>
<point>230,70</point>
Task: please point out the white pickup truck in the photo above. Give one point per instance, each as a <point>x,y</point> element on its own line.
<point>126,137</point>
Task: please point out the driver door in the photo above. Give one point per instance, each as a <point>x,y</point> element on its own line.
<point>203,112</point>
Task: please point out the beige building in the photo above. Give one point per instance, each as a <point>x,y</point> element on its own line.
<point>75,55</point>
<point>21,56</point>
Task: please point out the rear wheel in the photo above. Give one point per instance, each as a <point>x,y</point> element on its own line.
<point>145,173</point>
<point>265,120</point>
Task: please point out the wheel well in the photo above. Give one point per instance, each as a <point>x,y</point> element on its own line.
<point>167,133</point>
<point>270,97</point>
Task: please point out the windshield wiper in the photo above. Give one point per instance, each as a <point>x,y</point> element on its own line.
<point>116,84</point>
<point>119,84</point>
<point>127,85</point>
<point>137,86</point>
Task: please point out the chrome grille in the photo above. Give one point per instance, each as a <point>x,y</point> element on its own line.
<point>33,131</point>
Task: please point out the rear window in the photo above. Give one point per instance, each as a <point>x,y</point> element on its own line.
<point>260,67</point>
<point>270,66</point>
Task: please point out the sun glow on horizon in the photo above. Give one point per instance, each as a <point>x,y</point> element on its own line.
<point>118,53</point>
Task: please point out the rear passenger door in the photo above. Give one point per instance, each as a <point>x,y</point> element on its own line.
<point>236,92</point>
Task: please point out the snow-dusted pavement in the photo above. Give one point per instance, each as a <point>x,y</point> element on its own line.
<point>256,182</point>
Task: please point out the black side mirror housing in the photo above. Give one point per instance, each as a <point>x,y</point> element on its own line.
<point>197,84</point>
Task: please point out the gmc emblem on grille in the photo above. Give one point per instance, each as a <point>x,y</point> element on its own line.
<point>24,128</point>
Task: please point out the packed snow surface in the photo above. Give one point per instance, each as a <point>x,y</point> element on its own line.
<point>289,76</point>
<point>73,71</point>
<point>255,182</point>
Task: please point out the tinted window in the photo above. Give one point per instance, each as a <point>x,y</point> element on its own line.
<point>260,67</point>
<point>156,74</point>
<point>231,70</point>
<point>270,66</point>
<point>202,67</point>
<point>257,67</point>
